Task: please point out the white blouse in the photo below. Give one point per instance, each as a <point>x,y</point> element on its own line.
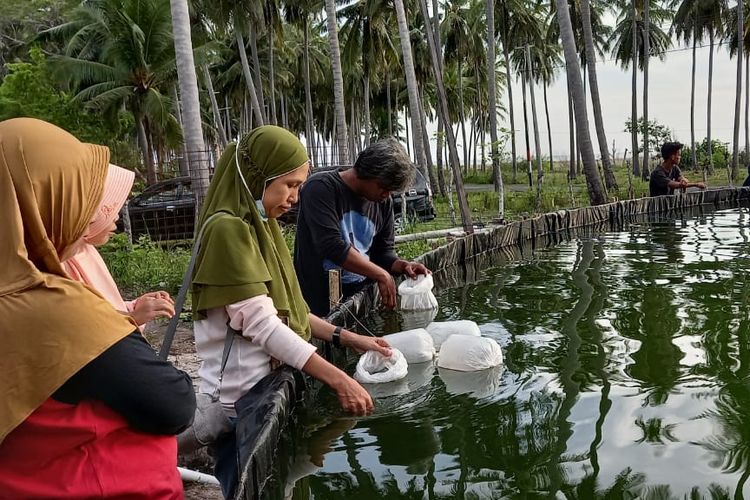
<point>263,336</point>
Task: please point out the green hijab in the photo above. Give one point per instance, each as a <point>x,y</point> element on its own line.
<point>242,254</point>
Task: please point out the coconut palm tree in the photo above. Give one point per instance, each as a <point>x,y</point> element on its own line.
<point>740,16</point>
<point>411,85</point>
<point>443,109</point>
<point>121,54</point>
<point>609,177</point>
<point>694,20</point>
<point>595,188</point>
<point>628,48</point>
<point>191,108</point>
<point>299,13</point>
<point>497,177</point>
<point>338,83</point>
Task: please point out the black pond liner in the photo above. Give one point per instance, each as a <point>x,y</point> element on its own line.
<point>264,412</point>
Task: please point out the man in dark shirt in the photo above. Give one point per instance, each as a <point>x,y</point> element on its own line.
<point>667,177</point>
<point>346,222</point>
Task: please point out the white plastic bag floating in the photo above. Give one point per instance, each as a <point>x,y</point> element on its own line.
<point>417,319</point>
<point>466,353</point>
<point>419,376</point>
<point>441,330</point>
<point>416,294</point>
<point>416,345</point>
<point>375,368</point>
<point>479,384</point>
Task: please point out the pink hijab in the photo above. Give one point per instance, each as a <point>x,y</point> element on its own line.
<point>86,265</point>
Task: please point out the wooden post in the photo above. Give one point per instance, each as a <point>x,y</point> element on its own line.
<point>334,288</point>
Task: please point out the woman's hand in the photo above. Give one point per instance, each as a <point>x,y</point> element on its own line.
<point>152,305</point>
<point>362,343</point>
<point>352,396</point>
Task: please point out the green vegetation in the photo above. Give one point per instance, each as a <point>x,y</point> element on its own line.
<point>146,266</point>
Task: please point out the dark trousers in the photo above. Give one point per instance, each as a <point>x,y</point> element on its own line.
<point>226,469</point>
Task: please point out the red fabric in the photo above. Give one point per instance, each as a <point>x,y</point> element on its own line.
<point>86,451</point>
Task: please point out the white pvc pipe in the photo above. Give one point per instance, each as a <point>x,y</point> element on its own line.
<point>192,475</point>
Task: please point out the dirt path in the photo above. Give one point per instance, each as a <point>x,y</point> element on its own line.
<point>184,357</point>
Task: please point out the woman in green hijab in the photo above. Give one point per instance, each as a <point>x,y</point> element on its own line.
<point>244,278</point>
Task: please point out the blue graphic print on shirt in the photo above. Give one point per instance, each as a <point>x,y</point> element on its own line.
<point>358,231</point>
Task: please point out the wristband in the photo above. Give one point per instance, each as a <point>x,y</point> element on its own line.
<point>336,336</point>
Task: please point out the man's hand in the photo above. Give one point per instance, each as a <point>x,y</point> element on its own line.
<point>410,269</point>
<point>699,185</point>
<point>387,288</point>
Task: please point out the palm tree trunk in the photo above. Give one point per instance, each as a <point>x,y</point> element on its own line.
<point>572,127</point>
<point>193,129</point>
<point>594,183</point>
<point>388,103</point>
<point>646,56</point>
<point>272,76</point>
<point>258,111</point>
<point>708,104</point>
<point>256,67</point>
<point>535,122</point>
<point>634,102</point>
<point>526,128</point>
<point>367,110</point>
<point>747,109</point>
<point>406,129</point>
<point>463,114</point>
<point>411,85</point>
<point>426,143</point>
<point>214,105</point>
<point>549,130</point>
<point>609,177</point>
<point>692,102</point>
<point>442,99</point>
<point>338,83</point>
<point>148,160</point>
<point>497,178</point>
<point>183,159</point>
<point>309,125</point>
<point>440,173</point>
<point>509,85</point>
<point>738,94</point>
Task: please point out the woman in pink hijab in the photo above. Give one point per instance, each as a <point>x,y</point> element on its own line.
<point>86,265</point>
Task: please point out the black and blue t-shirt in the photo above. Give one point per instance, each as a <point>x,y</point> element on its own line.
<point>333,219</point>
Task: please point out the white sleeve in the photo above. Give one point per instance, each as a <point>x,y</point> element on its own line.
<point>259,322</point>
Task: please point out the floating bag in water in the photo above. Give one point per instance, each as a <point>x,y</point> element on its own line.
<point>415,345</point>
<point>375,368</point>
<point>441,330</point>
<point>466,353</point>
<point>416,294</point>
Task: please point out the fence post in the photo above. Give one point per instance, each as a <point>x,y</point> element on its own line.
<point>334,287</point>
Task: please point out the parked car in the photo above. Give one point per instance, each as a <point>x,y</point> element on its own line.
<point>166,210</point>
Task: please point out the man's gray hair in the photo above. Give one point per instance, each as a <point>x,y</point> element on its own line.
<point>386,161</point>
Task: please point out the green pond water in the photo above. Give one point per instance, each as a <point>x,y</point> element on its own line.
<point>626,375</point>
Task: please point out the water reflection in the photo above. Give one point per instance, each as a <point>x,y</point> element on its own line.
<point>627,375</point>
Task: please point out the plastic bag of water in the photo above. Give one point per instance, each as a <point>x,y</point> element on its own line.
<point>441,330</point>
<point>416,345</point>
<point>466,353</point>
<point>375,368</point>
<point>416,294</point>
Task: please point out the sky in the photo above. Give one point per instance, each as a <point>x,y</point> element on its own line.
<point>669,102</point>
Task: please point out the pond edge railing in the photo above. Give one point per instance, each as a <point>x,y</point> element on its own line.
<point>553,226</point>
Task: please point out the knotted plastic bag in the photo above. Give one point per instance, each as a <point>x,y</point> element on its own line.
<point>416,294</point>
<point>441,330</point>
<point>466,353</point>
<point>375,368</point>
<point>416,345</point>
